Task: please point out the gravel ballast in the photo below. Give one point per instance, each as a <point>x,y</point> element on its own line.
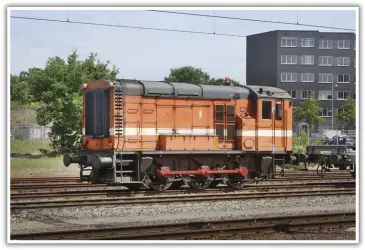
<point>130,215</point>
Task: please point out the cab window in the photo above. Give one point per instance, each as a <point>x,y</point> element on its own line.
<point>278,111</point>
<point>266,109</point>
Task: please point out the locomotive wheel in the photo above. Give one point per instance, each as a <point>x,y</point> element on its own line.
<point>236,183</point>
<point>322,167</point>
<point>353,173</point>
<point>94,176</point>
<point>321,170</point>
<point>199,182</point>
<point>159,184</point>
<point>176,185</point>
<point>341,166</point>
<point>134,186</point>
<point>214,183</point>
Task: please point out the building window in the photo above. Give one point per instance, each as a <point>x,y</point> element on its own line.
<point>343,44</point>
<point>293,93</point>
<point>343,61</point>
<point>288,77</point>
<point>325,61</point>
<point>343,78</point>
<point>307,42</point>
<point>307,59</point>
<point>324,95</point>
<point>266,109</point>
<point>339,111</point>
<point>342,95</point>
<point>325,44</point>
<point>306,94</point>
<point>326,113</point>
<point>307,77</point>
<point>288,42</point>
<point>325,78</point>
<point>288,59</point>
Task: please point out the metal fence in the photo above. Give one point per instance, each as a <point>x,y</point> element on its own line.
<point>328,132</point>
<point>331,137</point>
<point>29,132</point>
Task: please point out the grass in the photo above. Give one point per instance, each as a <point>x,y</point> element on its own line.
<point>45,166</point>
<point>28,146</point>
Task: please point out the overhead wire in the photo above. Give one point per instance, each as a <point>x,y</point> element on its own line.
<point>137,27</point>
<point>126,26</point>
<point>251,20</point>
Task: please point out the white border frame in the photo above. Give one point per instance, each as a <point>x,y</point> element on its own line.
<point>186,8</point>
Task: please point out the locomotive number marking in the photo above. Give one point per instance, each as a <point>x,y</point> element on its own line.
<point>200,114</point>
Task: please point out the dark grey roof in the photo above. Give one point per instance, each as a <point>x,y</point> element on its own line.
<point>199,91</point>
<point>187,89</point>
<point>269,92</point>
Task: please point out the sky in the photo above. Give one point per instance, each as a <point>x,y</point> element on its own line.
<point>149,55</point>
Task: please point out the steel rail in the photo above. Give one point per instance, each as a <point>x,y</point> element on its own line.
<point>126,192</point>
<point>174,198</point>
<point>54,186</point>
<point>82,185</point>
<point>200,229</point>
<point>25,179</point>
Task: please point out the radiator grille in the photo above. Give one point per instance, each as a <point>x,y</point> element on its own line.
<point>97,113</point>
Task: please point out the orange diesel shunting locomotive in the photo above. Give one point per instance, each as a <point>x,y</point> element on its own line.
<point>159,133</point>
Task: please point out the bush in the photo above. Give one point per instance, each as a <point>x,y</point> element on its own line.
<point>301,142</point>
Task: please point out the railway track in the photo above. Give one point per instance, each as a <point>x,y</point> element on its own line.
<point>43,179</point>
<point>314,177</point>
<point>31,179</point>
<point>124,192</point>
<point>56,185</point>
<point>38,186</point>
<point>201,229</point>
<point>21,205</point>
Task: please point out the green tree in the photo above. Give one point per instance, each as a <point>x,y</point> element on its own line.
<point>309,111</point>
<point>19,88</point>
<point>221,81</point>
<point>348,111</point>
<point>188,74</point>
<point>300,143</point>
<point>195,75</point>
<point>57,89</point>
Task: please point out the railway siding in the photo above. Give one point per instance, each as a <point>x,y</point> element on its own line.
<point>203,230</point>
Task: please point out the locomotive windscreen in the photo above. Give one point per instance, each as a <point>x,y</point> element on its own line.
<point>97,113</point>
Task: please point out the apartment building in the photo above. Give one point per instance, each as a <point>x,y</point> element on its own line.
<point>305,61</point>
